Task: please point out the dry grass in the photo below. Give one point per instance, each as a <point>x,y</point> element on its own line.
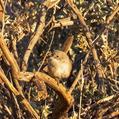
<point>87,30</point>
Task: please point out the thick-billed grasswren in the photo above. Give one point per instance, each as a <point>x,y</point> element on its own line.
<point>59,65</point>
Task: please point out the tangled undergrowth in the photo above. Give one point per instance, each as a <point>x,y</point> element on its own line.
<point>89,32</point>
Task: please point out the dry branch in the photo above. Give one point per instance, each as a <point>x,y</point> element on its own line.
<point>12,62</point>
<point>15,73</point>
<point>40,29</point>
<point>50,4</point>
<point>9,56</point>
<point>65,97</point>
<point>107,99</point>
<point>22,99</point>
<point>62,22</point>
<point>109,19</point>
<point>89,38</point>
<point>34,39</point>
<point>66,100</point>
<point>59,88</point>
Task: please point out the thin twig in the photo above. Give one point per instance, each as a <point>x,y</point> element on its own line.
<point>101,101</point>
<point>47,51</point>
<point>15,100</point>
<point>109,19</point>
<point>81,93</point>
<point>78,77</point>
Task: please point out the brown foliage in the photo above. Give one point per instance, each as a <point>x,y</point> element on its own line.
<point>87,31</point>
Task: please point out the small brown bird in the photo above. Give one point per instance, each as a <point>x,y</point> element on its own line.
<point>59,65</point>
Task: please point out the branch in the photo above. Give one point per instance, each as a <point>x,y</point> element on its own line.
<point>109,19</point>
<point>9,56</point>
<point>89,38</point>
<point>15,73</point>
<point>104,100</point>
<point>21,98</point>
<point>62,22</point>
<point>40,29</point>
<point>34,39</point>
<point>13,63</point>
<point>59,88</point>
<point>65,98</point>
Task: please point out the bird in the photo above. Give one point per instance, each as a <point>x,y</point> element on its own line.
<point>59,65</point>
